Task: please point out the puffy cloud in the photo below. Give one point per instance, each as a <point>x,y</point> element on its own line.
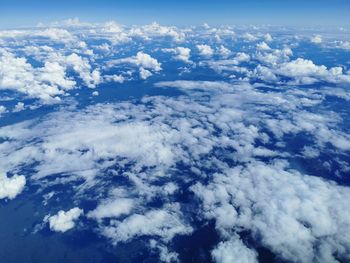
<point>44,83</point>
<point>142,60</point>
<point>306,72</point>
<point>263,46</point>
<point>229,64</point>
<point>19,107</point>
<point>306,214</point>
<point>205,50</point>
<point>154,30</point>
<point>316,39</point>
<point>233,251</point>
<point>249,37</point>
<point>268,37</point>
<point>163,223</point>
<point>10,187</point>
<point>300,71</point>
<point>115,78</point>
<point>2,109</point>
<point>112,208</point>
<point>56,34</point>
<point>145,74</point>
<point>223,51</point>
<point>64,221</point>
<point>83,68</point>
<point>181,53</point>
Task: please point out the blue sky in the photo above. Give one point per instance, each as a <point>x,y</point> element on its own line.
<point>180,12</point>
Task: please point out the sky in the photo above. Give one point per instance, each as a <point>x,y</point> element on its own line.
<point>19,13</point>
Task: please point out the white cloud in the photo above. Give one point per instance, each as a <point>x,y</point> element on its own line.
<point>115,78</point>
<point>112,208</point>
<point>2,109</point>
<point>10,187</point>
<point>268,37</point>
<point>263,46</point>
<point>163,223</point>
<point>181,53</point>
<point>145,74</point>
<point>224,52</point>
<point>64,221</point>
<point>316,39</point>
<point>44,83</point>
<point>233,251</point>
<point>249,37</point>
<point>19,107</point>
<point>142,60</point>
<point>301,218</point>
<point>205,50</point>
<point>156,30</point>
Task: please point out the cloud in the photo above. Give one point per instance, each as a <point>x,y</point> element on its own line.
<point>163,223</point>
<point>205,50</point>
<point>181,53</point>
<point>224,52</point>
<point>64,221</point>
<point>316,39</point>
<point>268,37</point>
<point>301,218</point>
<point>112,208</point>
<point>263,46</point>
<point>45,83</point>
<point>232,137</point>
<point>144,73</point>
<point>142,60</point>
<point>249,37</point>
<point>19,107</point>
<point>233,251</point>
<point>10,187</point>
<point>156,30</point>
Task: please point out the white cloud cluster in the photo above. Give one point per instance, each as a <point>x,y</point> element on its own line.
<point>316,39</point>
<point>181,53</point>
<point>233,251</point>
<point>302,218</point>
<point>154,30</point>
<point>10,187</point>
<point>112,208</point>
<point>162,223</point>
<point>205,50</point>
<point>64,220</point>
<point>144,61</point>
<point>45,83</point>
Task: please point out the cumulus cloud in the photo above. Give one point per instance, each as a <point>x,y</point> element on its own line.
<point>163,223</point>
<point>19,107</point>
<point>224,52</point>
<point>282,207</point>
<point>154,30</point>
<point>181,53</point>
<point>64,220</point>
<point>205,50</point>
<point>145,62</point>
<point>10,187</point>
<point>44,83</point>
<point>316,39</point>
<point>233,251</point>
<point>263,46</point>
<point>144,73</point>
<point>112,208</point>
